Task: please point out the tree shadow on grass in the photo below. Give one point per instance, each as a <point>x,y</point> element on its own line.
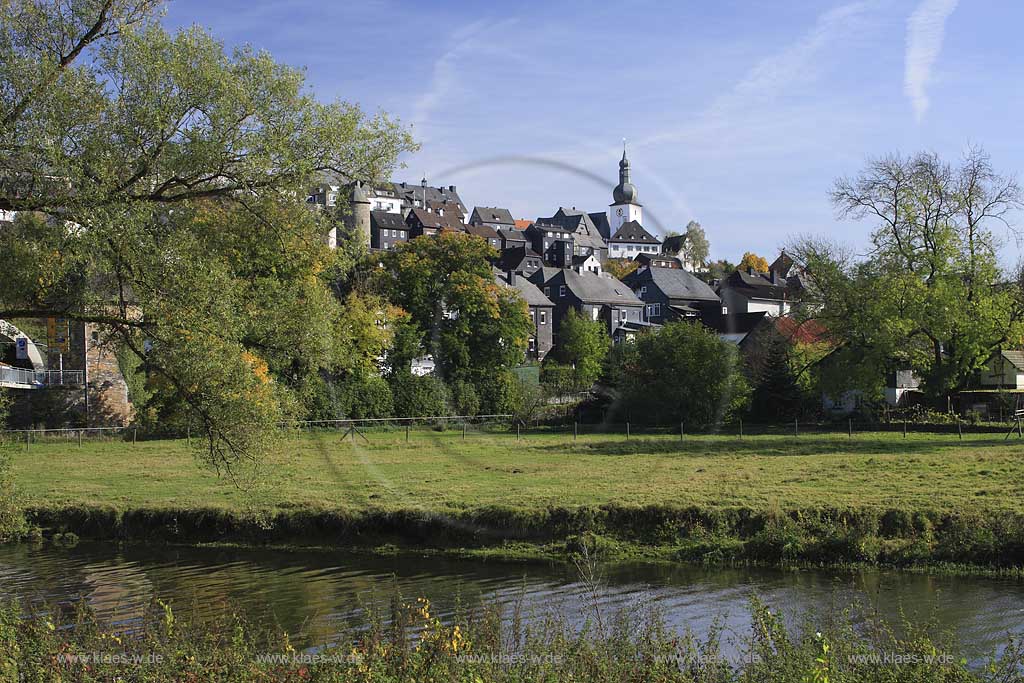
<point>797,446</point>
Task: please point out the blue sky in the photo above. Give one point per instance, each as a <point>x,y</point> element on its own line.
<point>737,114</point>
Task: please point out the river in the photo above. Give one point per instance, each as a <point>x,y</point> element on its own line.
<point>315,595</point>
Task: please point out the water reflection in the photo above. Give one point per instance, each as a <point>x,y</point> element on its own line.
<point>314,595</point>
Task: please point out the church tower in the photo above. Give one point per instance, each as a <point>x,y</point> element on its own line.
<point>625,206</point>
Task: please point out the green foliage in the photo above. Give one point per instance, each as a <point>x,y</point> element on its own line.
<point>582,344</point>
<point>681,372</point>
<point>931,296</point>
<point>416,396</point>
<point>619,268</point>
<point>355,396</point>
<point>777,394</point>
<point>465,400</point>
<point>159,183</point>
<point>558,379</point>
<point>697,247</point>
<point>469,323</point>
<point>498,392</point>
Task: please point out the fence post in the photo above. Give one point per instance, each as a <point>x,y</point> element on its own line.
<point>850,426</point>
<point>463,431</point>
<point>407,432</point>
<point>79,438</point>
<point>135,434</point>
<point>741,427</point>
<point>796,426</point>
<point>28,441</point>
<point>517,431</point>
<point>959,428</point>
<point>575,430</point>
<point>904,428</point>
<point>680,431</point>
<point>627,431</point>
<point>188,435</point>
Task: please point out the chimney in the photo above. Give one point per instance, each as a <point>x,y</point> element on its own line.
<point>511,277</point>
<point>773,276</point>
<point>451,188</point>
<point>750,270</point>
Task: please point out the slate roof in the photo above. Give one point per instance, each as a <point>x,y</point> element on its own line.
<point>633,232</point>
<point>600,221</point>
<point>513,257</point>
<point>433,220</point>
<point>384,220</point>
<point>673,244</point>
<point>757,285</point>
<point>485,231</point>
<point>578,222</point>
<point>492,214</point>
<point>410,193</point>
<point>527,290</point>
<point>674,283</point>
<point>646,258</point>
<point>446,206</point>
<point>603,289</point>
<point>782,264</point>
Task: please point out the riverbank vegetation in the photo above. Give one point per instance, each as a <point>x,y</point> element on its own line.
<point>410,643</point>
<point>873,498</point>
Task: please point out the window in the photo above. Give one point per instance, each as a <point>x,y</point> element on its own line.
<point>622,314</point>
<point>543,317</point>
<point>593,313</point>
<point>643,290</point>
<point>561,290</point>
<point>533,317</point>
<point>657,310</point>
<point>533,344</point>
<point>547,291</point>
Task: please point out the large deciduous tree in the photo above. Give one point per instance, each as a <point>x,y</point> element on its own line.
<point>471,324</point>
<point>696,246</point>
<point>160,182</point>
<point>682,372</point>
<point>930,294</point>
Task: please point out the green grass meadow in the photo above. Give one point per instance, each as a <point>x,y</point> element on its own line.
<point>875,498</point>
<point>441,471</point>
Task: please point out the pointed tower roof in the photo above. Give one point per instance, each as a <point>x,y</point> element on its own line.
<point>625,192</point>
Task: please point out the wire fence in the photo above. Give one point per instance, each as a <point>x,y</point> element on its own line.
<point>467,426</point>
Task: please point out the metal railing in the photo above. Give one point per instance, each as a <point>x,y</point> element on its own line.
<point>25,377</point>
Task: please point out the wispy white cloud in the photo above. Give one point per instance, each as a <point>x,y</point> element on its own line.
<point>926,29</point>
<point>444,76</point>
<point>797,64</point>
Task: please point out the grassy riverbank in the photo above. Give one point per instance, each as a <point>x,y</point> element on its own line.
<point>878,497</point>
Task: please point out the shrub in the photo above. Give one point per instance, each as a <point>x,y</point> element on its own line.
<point>416,396</point>
<point>465,400</point>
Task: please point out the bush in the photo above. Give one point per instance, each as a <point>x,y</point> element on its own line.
<point>683,371</point>
<point>416,396</point>
<point>498,392</point>
<point>354,396</point>
<point>465,400</point>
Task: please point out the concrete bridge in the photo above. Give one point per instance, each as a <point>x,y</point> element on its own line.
<point>36,377</point>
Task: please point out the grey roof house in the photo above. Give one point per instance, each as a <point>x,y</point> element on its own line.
<point>597,297</point>
<point>492,216</point>
<point>541,314</point>
<point>632,239</point>
<point>671,294</point>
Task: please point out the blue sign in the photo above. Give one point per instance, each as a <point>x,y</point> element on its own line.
<point>21,346</point>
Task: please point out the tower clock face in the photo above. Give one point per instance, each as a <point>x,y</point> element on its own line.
<point>618,211</point>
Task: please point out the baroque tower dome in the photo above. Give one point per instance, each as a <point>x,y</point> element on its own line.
<point>625,192</point>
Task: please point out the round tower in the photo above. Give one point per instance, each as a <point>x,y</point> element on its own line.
<point>359,214</point>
